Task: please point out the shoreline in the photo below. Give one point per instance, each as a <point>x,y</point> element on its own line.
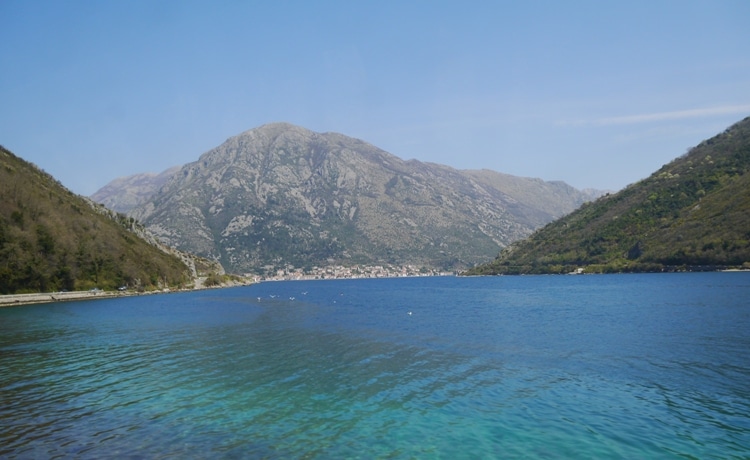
<point>17,300</point>
<point>13,300</point>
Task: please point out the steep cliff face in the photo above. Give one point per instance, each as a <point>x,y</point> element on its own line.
<point>282,195</point>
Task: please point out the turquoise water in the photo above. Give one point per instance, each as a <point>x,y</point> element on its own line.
<point>612,366</point>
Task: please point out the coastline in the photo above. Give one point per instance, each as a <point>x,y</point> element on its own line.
<point>14,300</point>
<point>17,300</point>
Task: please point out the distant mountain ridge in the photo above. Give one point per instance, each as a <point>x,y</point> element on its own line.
<point>692,214</point>
<point>281,195</point>
<point>126,193</point>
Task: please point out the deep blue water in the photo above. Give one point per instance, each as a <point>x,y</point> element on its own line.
<point>611,366</point>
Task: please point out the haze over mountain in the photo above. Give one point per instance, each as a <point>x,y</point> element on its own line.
<point>125,193</point>
<point>692,214</point>
<point>282,195</point>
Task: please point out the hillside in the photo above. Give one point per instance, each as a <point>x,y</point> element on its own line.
<point>281,195</point>
<point>52,239</point>
<point>692,214</point>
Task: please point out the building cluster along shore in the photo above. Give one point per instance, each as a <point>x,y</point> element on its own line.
<point>354,272</point>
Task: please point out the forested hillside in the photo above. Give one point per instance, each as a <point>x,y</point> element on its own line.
<point>52,239</point>
<point>692,214</point>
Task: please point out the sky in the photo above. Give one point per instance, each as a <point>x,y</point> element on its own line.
<point>596,94</point>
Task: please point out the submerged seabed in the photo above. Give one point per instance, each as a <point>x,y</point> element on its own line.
<point>629,366</point>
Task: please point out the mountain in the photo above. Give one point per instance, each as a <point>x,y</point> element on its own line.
<point>52,239</point>
<point>692,214</point>
<point>126,193</point>
<point>281,195</point>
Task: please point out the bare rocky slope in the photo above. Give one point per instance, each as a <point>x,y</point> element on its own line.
<point>281,195</point>
<point>125,193</point>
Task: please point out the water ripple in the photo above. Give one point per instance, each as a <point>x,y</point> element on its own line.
<point>347,374</point>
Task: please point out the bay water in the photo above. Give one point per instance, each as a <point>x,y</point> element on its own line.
<point>594,366</point>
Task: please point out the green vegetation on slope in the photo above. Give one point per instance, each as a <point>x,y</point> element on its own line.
<point>692,214</point>
<point>52,239</point>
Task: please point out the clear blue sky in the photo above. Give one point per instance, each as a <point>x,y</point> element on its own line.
<point>597,94</point>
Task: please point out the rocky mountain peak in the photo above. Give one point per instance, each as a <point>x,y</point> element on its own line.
<point>281,195</point>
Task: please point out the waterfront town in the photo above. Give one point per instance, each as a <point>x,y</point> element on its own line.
<point>353,272</point>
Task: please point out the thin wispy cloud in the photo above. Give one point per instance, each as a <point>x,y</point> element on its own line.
<point>663,116</point>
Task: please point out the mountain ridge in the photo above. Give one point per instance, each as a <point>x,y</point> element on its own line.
<point>125,193</point>
<point>691,214</point>
<point>280,195</point>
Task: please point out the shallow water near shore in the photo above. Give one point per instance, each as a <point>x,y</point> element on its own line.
<point>610,366</point>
